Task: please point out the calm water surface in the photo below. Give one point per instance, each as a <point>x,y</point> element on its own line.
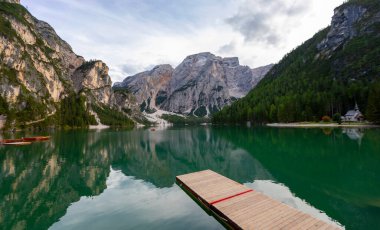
<point>126,179</point>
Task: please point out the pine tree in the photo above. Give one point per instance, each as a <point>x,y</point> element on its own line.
<point>373,108</point>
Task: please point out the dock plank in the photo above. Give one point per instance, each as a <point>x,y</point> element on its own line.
<point>243,208</point>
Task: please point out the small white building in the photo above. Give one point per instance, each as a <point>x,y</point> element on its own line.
<point>354,115</point>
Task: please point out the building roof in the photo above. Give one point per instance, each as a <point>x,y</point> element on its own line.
<point>353,113</point>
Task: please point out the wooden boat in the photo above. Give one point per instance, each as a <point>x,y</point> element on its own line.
<point>7,141</point>
<point>38,138</point>
<point>18,143</point>
<point>153,129</point>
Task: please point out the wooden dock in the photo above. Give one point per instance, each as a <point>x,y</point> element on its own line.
<point>239,207</point>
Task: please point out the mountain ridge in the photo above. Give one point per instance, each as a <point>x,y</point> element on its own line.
<point>199,86</point>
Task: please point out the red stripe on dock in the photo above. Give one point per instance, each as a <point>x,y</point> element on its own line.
<point>229,197</point>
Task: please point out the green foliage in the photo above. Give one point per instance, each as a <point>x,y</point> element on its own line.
<point>31,109</point>
<point>120,90</point>
<point>11,117</point>
<point>337,117</point>
<point>142,120</point>
<point>49,121</point>
<point>304,86</point>
<point>200,112</point>
<point>112,117</point>
<point>9,73</point>
<point>4,107</point>
<point>373,109</point>
<point>15,10</point>
<point>178,120</point>
<point>73,112</point>
<point>6,28</point>
<point>326,119</point>
<point>87,64</point>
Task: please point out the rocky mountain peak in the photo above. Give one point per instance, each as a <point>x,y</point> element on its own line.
<point>231,62</point>
<point>342,27</point>
<point>93,78</point>
<point>201,85</point>
<point>199,60</point>
<point>198,56</point>
<point>161,70</point>
<point>91,75</point>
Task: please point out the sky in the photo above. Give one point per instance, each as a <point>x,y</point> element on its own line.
<point>132,36</point>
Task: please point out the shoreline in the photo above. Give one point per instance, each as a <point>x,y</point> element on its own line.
<point>317,125</point>
<point>98,127</point>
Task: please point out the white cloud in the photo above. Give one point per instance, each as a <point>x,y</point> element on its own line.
<point>131,36</point>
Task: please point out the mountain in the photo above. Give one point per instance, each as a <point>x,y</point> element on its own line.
<point>201,85</point>
<point>41,77</point>
<point>327,74</point>
<point>148,87</point>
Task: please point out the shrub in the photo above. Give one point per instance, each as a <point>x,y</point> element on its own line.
<point>337,118</point>
<point>326,118</point>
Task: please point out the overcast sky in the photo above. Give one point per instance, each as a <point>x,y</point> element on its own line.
<point>135,35</point>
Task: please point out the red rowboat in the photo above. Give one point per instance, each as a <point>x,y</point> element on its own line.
<point>18,143</point>
<point>39,138</point>
<point>7,141</point>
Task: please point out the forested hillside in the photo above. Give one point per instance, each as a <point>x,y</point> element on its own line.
<point>327,74</point>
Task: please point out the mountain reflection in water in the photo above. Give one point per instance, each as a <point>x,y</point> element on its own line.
<point>126,179</point>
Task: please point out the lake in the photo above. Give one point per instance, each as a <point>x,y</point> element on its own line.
<point>120,179</point>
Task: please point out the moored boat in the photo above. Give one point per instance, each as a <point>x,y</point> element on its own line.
<point>18,143</point>
<point>7,141</point>
<point>38,138</point>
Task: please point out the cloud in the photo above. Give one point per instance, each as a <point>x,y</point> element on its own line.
<point>128,69</point>
<point>132,36</point>
<point>228,48</point>
<point>258,21</point>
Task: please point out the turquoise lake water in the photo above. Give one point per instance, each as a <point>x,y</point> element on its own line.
<point>125,179</point>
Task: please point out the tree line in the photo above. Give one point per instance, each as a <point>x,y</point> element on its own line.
<point>305,86</point>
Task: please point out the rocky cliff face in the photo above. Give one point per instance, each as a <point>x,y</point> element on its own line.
<point>353,19</point>
<point>201,85</point>
<point>149,87</point>
<point>35,62</point>
<point>93,80</point>
<point>38,69</point>
<point>342,28</point>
